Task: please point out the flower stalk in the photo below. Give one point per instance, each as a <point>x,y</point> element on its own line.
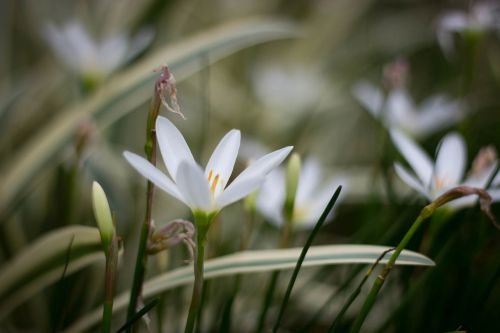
<point>426,212</point>
<point>202,222</point>
<point>162,83</point>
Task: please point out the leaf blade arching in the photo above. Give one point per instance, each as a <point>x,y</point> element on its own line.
<point>257,261</point>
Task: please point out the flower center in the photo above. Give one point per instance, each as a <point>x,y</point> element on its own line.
<point>215,184</point>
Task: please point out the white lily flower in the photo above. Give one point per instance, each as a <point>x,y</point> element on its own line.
<point>398,110</point>
<point>313,194</point>
<point>86,56</point>
<point>433,179</point>
<point>481,17</point>
<point>203,191</point>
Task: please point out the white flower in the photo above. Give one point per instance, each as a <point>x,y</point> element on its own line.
<point>86,56</point>
<point>433,179</point>
<point>481,17</point>
<point>287,90</point>
<point>313,194</point>
<point>203,191</point>
<point>399,111</point>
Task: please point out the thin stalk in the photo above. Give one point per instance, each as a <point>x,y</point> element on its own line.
<point>356,292</point>
<point>141,260</point>
<point>302,256</point>
<point>379,282</point>
<point>109,284</point>
<point>201,237</point>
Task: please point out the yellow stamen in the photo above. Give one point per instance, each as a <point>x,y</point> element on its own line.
<point>214,184</point>
<point>439,183</point>
<point>210,175</point>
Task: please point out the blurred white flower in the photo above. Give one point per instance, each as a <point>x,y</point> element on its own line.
<point>398,110</point>
<point>287,90</point>
<point>433,179</point>
<point>313,194</point>
<point>481,17</point>
<point>203,191</point>
<point>84,55</point>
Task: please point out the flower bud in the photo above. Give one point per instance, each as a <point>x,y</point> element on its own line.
<point>102,215</point>
<point>292,182</point>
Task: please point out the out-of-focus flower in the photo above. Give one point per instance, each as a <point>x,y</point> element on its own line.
<point>481,17</point>
<point>398,110</point>
<point>291,91</point>
<point>312,196</point>
<point>203,191</point>
<point>433,179</point>
<point>84,55</point>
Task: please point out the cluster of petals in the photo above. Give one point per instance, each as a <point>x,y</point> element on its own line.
<point>433,179</point>
<point>82,54</point>
<point>480,17</point>
<point>312,196</point>
<point>203,190</point>
<point>398,110</point>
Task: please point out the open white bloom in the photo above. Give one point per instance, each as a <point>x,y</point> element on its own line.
<point>313,194</point>
<point>398,110</point>
<point>203,191</point>
<point>482,16</point>
<point>433,179</point>
<point>84,55</point>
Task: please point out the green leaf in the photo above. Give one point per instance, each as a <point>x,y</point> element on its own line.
<point>257,261</point>
<point>43,263</point>
<point>129,90</point>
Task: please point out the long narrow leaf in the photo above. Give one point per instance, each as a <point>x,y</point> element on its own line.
<point>257,261</point>
<point>130,89</point>
<point>43,263</point>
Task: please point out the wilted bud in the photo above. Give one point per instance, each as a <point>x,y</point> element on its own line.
<point>462,191</point>
<point>170,235</point>
<point>166,90</point>
<point>292,182</point>
<point>102,215</point>
<point>396,73</point>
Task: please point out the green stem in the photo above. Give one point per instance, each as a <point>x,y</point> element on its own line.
<point>141,260</point>
<point>379,282</point>
<point>201,237</point>
<point>109,284</point>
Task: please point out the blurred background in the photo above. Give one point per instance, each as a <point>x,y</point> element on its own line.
<point>76,79</point>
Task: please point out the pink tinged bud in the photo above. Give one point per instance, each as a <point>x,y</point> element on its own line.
<point>396,73</point>
<point>484,159</point>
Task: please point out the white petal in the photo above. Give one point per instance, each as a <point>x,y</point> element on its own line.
<point>369,96</point>
<point>193,186</point>
<point>496,180</point>
<point>112,53</point>
<point>237,190</point>
<point>319,201</point>
<point>495,195</point>
<point>481,180</point>
<point>265,164</point>
<point>416,157</point>
<point>308,181</point>
<point>400,109</point>
<point>450,161</point>
<point>437,112</point>
<point>410,180</point>
<point>271,197</point>
<point>222,161</point>
<point>148,170</point>
<point>173,147</point>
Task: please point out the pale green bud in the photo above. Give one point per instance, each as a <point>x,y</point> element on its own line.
<point>102,215</point>
<point>292,182</point>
